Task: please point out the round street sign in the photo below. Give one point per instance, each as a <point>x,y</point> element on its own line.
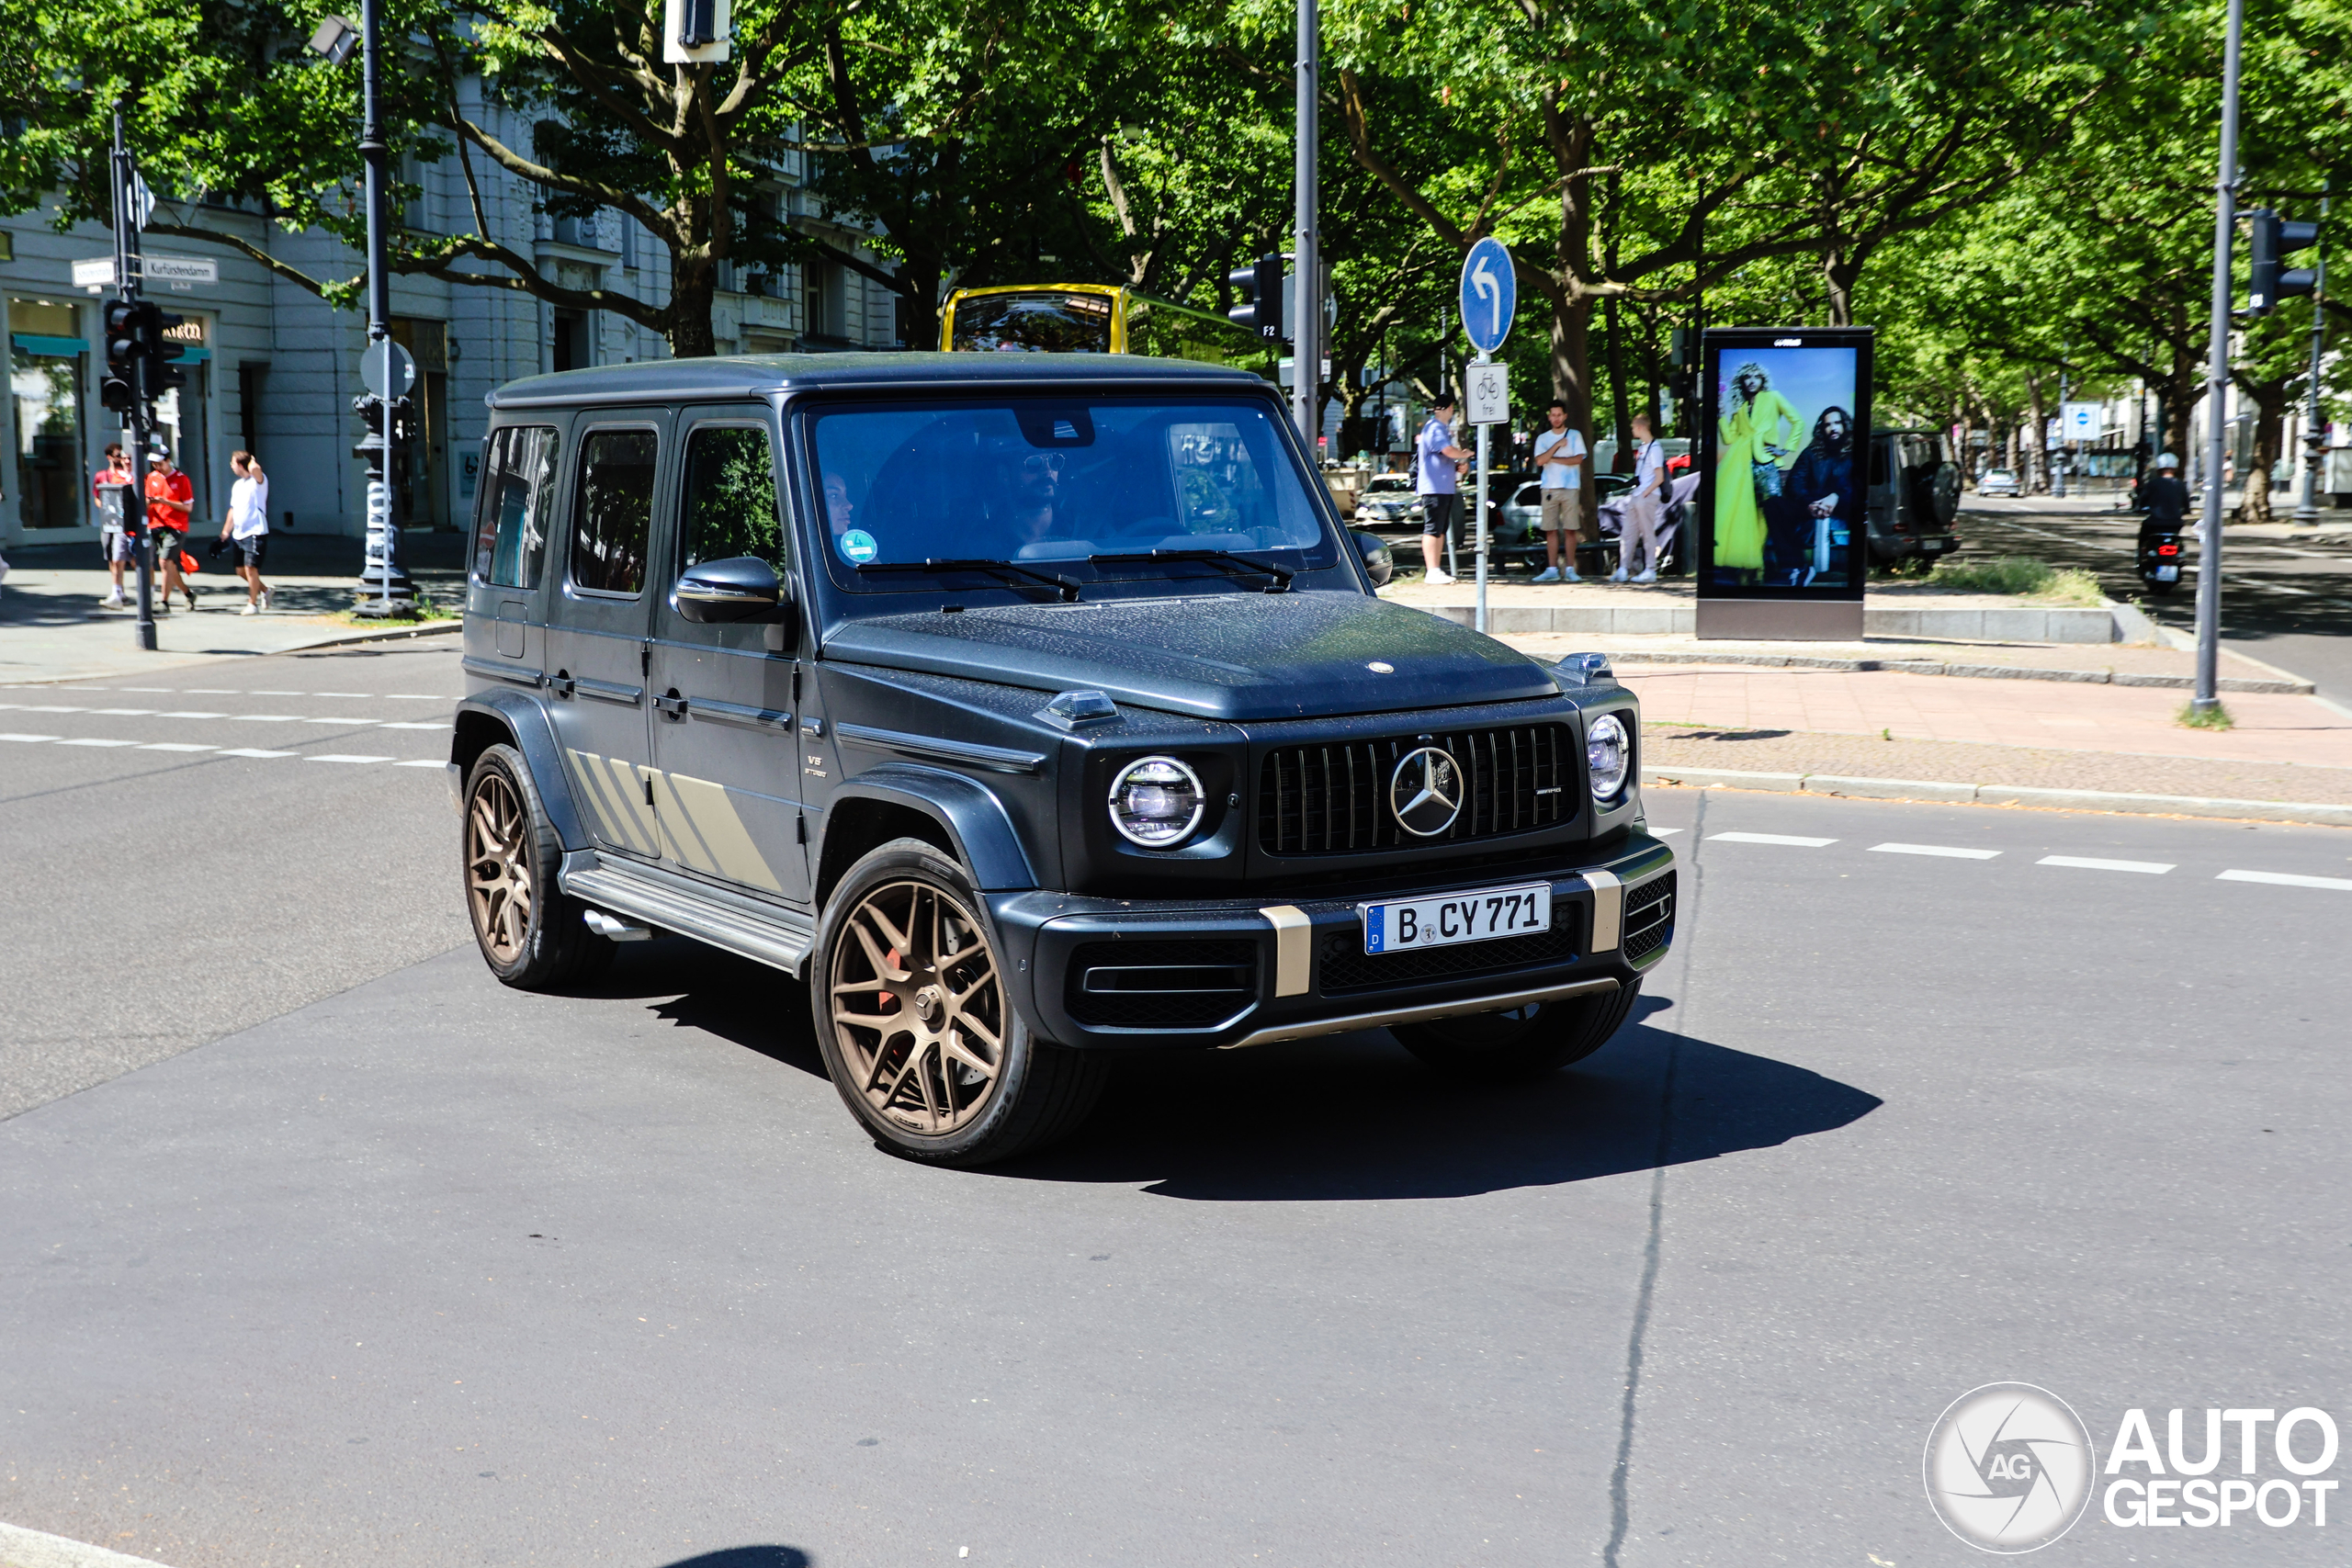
<point>386,369</point>
<point>1489,294</point>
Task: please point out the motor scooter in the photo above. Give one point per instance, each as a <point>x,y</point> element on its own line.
<point>2160,557</point>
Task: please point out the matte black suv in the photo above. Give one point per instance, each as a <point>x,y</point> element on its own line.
<point>1031,709</point>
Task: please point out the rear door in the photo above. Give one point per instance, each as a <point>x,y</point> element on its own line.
<point>599,626</point>
<point>728,789</point>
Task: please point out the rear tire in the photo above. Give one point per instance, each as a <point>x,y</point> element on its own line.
<point>1524,1043</point>
<point>530,932</point>
<point>918,1028</point>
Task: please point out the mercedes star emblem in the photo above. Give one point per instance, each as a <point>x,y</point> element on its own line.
<point>1425,791</point>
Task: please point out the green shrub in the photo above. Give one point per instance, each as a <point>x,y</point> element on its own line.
<point>2022,576</point>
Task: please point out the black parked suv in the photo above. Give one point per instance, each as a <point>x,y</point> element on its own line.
<point>1031,709</point>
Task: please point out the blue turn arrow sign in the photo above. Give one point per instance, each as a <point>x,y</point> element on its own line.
<point>1489,294</point>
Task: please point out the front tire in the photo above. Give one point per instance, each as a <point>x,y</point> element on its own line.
<point>531,934</point>
<point>918,1028</point>
<point>1523,1042</point>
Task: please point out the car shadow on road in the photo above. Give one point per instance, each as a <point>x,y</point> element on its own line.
<point>1355,1117</point>
<point>690,985</point>
<point>747,1557</point>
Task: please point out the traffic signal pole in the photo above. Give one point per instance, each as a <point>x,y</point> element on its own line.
<point>2314,422</point>
<point>126,284</point>
<point>382,567</point>
<point>2217,380</point>
<point>1307,312</point>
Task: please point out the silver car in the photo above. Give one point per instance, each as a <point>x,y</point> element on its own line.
<point>1998,481</point>
<point>1389,501</point>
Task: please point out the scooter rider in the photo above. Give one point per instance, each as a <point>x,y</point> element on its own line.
<point>2164,500</point>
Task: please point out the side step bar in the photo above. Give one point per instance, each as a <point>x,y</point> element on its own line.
<point>764,934</point>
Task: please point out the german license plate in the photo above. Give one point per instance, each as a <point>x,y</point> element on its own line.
<point>2168,574</point>
<point>1444,918</point>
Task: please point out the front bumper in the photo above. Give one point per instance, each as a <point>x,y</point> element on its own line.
<point>1121,972</point>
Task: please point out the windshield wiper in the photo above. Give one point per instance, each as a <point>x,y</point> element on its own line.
<point>1006,569</point>
<point>1229,559</point>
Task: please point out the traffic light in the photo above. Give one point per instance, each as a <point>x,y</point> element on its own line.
<point>2275,237</point>
<point>154,351</point>
<point>116,391</point>
<point>1260,287</point>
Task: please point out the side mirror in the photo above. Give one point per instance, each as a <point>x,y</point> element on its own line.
<point>741,589</point>
<point>1377,562</point>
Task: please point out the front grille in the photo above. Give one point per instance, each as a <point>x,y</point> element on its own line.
<point>1649,917</point>
<point>1346,966</point>
<point>1160,984</point>
<point>1331,799</point>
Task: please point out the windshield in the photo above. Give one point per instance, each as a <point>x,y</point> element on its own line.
<point>1043,322</point>
<point>1059,479</point>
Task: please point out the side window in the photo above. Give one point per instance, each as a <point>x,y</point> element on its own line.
<point>519,492</point>
<point>730,498</point>
<point>614,512</point>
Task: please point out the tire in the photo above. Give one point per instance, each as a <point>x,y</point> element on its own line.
<point>1526,1043</point>
<point>531,934</point>
<point>918,1029</point>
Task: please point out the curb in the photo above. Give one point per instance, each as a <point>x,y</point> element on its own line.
<point>2313,813</point>
<point>21,1548</point>
<point>2286,685</point>
<point>347,639</point>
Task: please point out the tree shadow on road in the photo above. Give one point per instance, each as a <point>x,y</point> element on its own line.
<point>1355,1117</point>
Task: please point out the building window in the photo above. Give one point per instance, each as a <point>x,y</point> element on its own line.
<point>45,378</point>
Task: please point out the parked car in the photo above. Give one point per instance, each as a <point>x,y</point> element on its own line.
<point>1519,535</point>
<point>1914,498</point>
<point>1998,481</point>
<point>1388,502</point>
<point>1107,744</point>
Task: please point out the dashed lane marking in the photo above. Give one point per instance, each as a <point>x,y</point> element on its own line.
<point>28,738</point>
<point>2083,863</point>
<point>175,745</point>
<point>1947,851</point>
<point>417,724</point>
<point>88,740</point>
<point>125,713</point>
<point>1769,839</point>
<point>344,757</point>
<point>2287,879</point>
<point>249,751</point>
<point>422,763</point>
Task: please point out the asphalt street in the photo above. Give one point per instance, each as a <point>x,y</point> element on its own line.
<point>365,1261</point>
<point>2286,596</point>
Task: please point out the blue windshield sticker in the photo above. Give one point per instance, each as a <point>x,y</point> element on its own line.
<point>857,547</point>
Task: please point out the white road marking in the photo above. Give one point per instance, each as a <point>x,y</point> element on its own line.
<point>213,691</point>
<point>340,693</point>
<point>28,737</point>
<point>422,763</point>
<point>338,721</point>
<point>1947,851</point>
<point>54,709</point>
<point>1664,832</point>
<point>125,713</point>
<point>131,688</point>
<point>261,694</point>
<point>340,757</point>
<point>190,713</point>
<point>2150,867</point>
<point>86,740</point>
<point>249,751</point>
<point>1769,839</point>
<point>2287,879</point>
<point>173,746</point>
<point>271,718</point>
<point>415,697</point>
<point>424,723</point>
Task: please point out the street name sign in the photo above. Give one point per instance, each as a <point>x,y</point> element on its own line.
<point>97,272</point>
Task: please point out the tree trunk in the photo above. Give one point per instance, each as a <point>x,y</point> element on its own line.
<point>694,286</point>
<point>1840,270</point>
<point>1572,369</point>
<point>1620,405</point>
<point>2270,399</point>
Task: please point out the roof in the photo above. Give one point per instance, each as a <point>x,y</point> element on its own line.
<point>766,375</point>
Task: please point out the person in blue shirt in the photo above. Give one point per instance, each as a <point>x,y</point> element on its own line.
<point>1434,457</point>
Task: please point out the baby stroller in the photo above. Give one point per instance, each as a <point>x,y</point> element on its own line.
<point>1680,499</point>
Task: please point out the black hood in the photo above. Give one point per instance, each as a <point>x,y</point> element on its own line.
<point>1226,656</point>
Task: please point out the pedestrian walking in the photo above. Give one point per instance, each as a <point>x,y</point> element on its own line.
<point>1435,456</point>
<point>247,526</point>
<point>171,497</point>
<point>106,493</point>
<point>1639,512</point>
<point>1559,465</point>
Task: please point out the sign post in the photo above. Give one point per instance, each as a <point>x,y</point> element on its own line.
<point>1489,298</point>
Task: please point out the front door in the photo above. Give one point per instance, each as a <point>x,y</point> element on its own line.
<point>727,789</point>
<point>597,647</point>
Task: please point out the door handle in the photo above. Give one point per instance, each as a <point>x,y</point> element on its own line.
<point>561,685</point>
<point>671,706</point>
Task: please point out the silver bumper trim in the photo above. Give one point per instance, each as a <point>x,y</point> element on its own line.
<point>1424,1013</point>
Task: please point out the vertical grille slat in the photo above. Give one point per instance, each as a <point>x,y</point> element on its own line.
<point>1333,798</point>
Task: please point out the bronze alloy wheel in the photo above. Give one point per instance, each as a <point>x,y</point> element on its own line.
<point>498,873</point>
<point>918,1007</point>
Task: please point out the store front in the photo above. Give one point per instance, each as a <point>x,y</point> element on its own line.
<point>48,392</point>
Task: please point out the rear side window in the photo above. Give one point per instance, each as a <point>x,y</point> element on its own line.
<point>614,512</point>
<point>730,496</point>
<point>511,543</point>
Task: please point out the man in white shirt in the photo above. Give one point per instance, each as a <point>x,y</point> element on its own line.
<point>247,526</point>
<point>1637,535</point>
<point>1559,459</point>
<point>1434,457</point>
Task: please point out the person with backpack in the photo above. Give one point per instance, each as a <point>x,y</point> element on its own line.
<point>114,539</point>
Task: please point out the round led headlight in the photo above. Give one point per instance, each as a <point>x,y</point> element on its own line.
<point>1608,751</point>
<point>1156,802</point>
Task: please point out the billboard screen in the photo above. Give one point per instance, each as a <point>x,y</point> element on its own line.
<point>1784,463</point>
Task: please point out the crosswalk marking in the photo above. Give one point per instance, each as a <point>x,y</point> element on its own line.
<point>1769,839</point>
<point>249,751</point>
<point>2083,863</point>
<point>1947,851</point>
<point>344,757</point>
<point>2287,879</point>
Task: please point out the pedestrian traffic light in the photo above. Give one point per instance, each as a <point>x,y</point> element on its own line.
<point>1260,287</point>
<point>117,391</point>
<point>2274,238</point>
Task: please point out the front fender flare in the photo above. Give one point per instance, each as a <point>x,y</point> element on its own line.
<point>524,724</point>
<point>976,821</point>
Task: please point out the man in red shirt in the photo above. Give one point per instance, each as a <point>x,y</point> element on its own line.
<point>171,496</point>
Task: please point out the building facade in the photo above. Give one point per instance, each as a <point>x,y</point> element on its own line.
<point>273,369</point>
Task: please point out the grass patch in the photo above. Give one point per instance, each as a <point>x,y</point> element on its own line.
<point>2020,576</point>
<point>425,611</point>
<point>2215,717</point>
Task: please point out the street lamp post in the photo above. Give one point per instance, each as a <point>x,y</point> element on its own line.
<point>2314,427</point>
<point>127,220</point>
<point>1306,303</point>
<point>2217,380</point>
